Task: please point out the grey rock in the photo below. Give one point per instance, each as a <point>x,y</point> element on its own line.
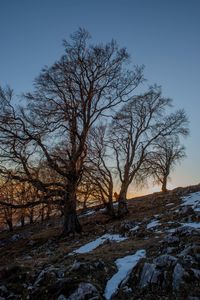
<point>192,250</point>
<point>3,292</point>
<point>28,257</point>
<point>127,290</point>
<point>170,239</point>
<point>187,231</point>
<point>16,237</point>
<point>127,225</point>
<point>177,277</point>
<point>46,274</point>
<point>196,273</point>
<point>60,273</point>
<point>197,213</point>
<point>3,289</point>
<point>188,219</point>
<point>165,260</point>
<point>155,277</point>
<point>185,210</point>
<point>169,250</point>
<point>75,266</point>
<point>186,251</point>
<point>31,243</point>
<point>20,236</point>
<point>99,264</point>
<point>149,275</point>
<point>85,291</point>
<point>189,260</point>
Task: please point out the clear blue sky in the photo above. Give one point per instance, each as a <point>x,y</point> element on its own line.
<point>162,35</point>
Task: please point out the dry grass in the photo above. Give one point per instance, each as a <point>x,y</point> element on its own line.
<point>42,238</point>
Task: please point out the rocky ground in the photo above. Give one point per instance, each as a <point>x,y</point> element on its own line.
<point>153,253</point>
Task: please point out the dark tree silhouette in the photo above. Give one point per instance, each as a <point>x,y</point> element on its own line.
<point>166,154</point>
<point>69,98</point>
<point>134,131</point>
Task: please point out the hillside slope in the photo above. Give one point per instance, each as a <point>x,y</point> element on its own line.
<point>153,253</point>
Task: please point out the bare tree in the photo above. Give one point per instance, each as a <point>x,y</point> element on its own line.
<point>69,98</point>
<point>166,154</point>
<point>138,125</point>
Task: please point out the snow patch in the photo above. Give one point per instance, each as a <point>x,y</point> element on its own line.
<point>94,244</point>
<point>87,213</point>
<point>135,228</point>
<point>192,224</point>
<point>192,200</point>
<point>169,204</point>
<point>153,224</point>
<point>124,265</point>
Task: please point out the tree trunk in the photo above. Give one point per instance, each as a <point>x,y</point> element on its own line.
<point>10,225</point>
<point>31,217</point>
<point>42,213</point>
<point>85,203</point>
<point>71,223</point>
<point>110,208</point>
<point>122,205</point>
<point>48,213</point>
<point>22,221</point>
<point>164,184</point>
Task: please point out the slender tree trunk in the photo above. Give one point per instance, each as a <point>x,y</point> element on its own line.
<point>109,205</point>
<point>42,213</point>
<point>31,216</point>
<point>110,208</point>
<point>71,223</point>
<point>10,225</point>
<point>48,212</point>
<point>61,211</point>
<point>122,205</point>
<point>85,203</point>
<point>22,220</point>
<point>164,184</point>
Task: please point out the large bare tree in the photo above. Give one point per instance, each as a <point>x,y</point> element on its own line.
<point>68,99</point>
<point>135,128</point>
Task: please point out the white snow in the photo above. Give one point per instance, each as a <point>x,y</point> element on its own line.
<point>192,200</point>
<point>88,213</point>
<point>135,228</point>
<point>124,265</point>
<point>94,244</point>
<point>102,210</point>
<point>171,230</point>
<point>152,224</point>
<point>192,224</point>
